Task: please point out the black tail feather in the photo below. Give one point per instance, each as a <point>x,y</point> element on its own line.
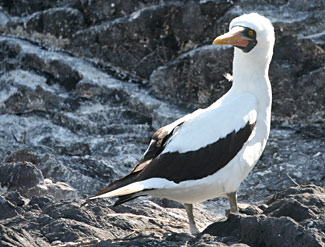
<point>129,197</point>
<point>126,198</point>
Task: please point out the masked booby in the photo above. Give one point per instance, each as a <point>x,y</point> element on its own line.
<point>208,153</point>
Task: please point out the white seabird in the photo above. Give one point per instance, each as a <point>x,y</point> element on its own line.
<point>208,153</point>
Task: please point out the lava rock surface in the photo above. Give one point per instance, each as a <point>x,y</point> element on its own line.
<point>84,85</point>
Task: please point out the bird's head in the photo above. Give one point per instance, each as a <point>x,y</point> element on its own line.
<point>251,33</point>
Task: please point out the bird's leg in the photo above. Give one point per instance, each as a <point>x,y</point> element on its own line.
<point>191,221</point>
<point>232,197</point>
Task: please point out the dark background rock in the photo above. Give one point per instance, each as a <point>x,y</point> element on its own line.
<point>150,36</point>
<point>83,86</point>
<point>188,78</point>
<point>19,175</point>
<point>7,209</point>
<point>60,22</point>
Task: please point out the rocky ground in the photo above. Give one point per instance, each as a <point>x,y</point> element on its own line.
<point>84,84</point>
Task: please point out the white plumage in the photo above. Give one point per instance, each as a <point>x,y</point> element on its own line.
<point>213,123</point>
<point>221,143</point>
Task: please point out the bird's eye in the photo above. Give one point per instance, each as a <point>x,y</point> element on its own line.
<point>250,32</point>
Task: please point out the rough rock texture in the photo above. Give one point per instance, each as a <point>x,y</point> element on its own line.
<point>190,76</point>
<point>83,85</point>
<point>294,217</point>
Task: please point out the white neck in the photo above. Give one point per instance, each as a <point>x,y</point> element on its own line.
<point>250,75</point>
<point>250,72</point>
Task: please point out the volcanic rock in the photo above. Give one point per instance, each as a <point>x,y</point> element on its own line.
<point>84,85</point>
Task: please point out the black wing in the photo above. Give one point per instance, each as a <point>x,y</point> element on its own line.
<point>191,165</point>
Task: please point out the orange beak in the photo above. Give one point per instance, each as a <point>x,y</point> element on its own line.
<point>234,37</point>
